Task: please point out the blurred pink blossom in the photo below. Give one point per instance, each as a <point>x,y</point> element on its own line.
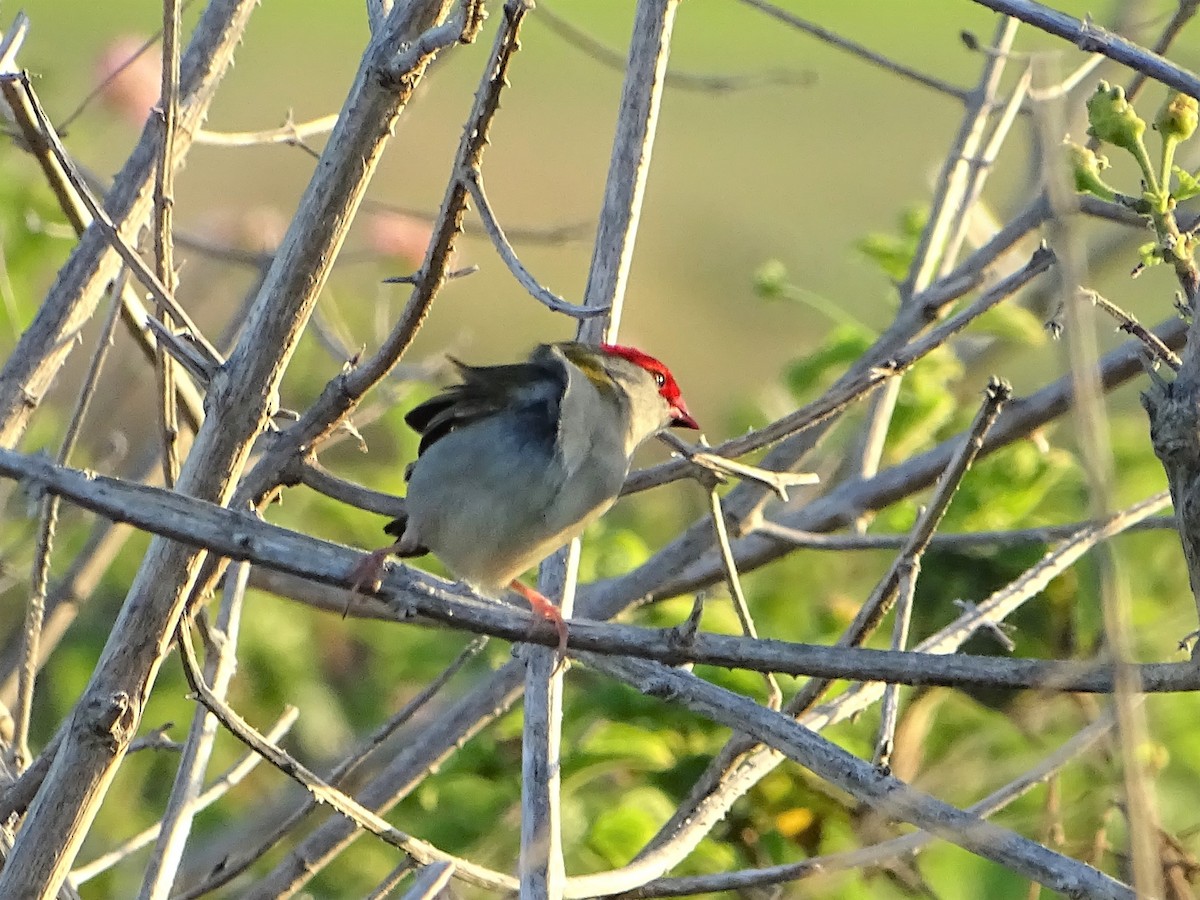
<point>257,229</point>
<point>394,234</point>
<point>131,83</point>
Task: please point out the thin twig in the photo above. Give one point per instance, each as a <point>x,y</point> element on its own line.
<point>233,866</point>
<point>420,851</point>
<point>886,795</point>
<point>1130,325</point>
<point>733,579</point>
<point>1063,88</point>
<point>473,178</point>
<point>35,613</point>
<point>184,349</point>
<point>104,222</point>
<point>183,803</point>
<point>550,234</point>
<point>156,739</point>
<point>428,884</point>
<point>290,133</point>
<point>1017,537</point>
<point>1091,38</point>
<point>164,246</point>
<point>866,857</point>
<point>417,277</point>
<point>686,81</point>
<point>237,535</point>
<point>884,595</point>
<point>321,480</point>
<point>112,76</point>
<point>858,50</point>
<point>220,786</point>
<point>720,466</point>
<point>890,705</point>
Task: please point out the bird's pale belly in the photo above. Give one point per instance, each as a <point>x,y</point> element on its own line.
<point>489,551</point>
<point>455,514</point>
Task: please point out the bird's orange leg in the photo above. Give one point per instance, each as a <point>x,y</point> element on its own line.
<point>543,607</point>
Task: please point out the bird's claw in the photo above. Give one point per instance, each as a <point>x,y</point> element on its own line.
<point>543,608</point>
<point>366,575</point>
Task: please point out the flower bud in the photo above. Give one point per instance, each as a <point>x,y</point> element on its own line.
<point>1086,167</point>
<point>1112,118</point>
<point>771,280</point>
<point>1177,118</point>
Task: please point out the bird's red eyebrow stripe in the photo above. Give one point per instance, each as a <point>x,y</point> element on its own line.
<point>635,356</point>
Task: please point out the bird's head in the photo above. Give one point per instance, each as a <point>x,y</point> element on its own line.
<point>664,382</point>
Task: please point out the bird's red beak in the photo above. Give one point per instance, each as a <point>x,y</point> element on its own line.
<point>681,418</point>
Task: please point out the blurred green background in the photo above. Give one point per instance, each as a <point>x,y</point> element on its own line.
<point>795,175</point>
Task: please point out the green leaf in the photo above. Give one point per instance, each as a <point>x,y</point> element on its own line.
<point>1149,254</point>
<point>1012,323</point>
<point>611,550</point>
<point>620,832</point>
<point>1187,184</point>
<point>926,403</point>
<point>621,740</point>
<point>843,346</point>
<point>893,253</point>
<point>1009,489</point>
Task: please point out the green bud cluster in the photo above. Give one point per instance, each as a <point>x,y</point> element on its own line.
<point>1113,119</point>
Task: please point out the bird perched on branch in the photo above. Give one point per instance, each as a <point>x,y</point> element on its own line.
<point>516,460</point>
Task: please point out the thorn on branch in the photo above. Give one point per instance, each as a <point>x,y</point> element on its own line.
<point>998,630</point>
<point>158,739</point>
<point>419,276</point>
<point>1054,325</point>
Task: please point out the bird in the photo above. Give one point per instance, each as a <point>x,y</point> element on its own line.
<point>516,460</point>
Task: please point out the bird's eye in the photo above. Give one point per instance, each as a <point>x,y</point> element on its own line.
<point>660,379</point>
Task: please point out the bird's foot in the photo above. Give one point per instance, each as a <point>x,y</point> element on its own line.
<point>542,607</point>
<point>367,574</point>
